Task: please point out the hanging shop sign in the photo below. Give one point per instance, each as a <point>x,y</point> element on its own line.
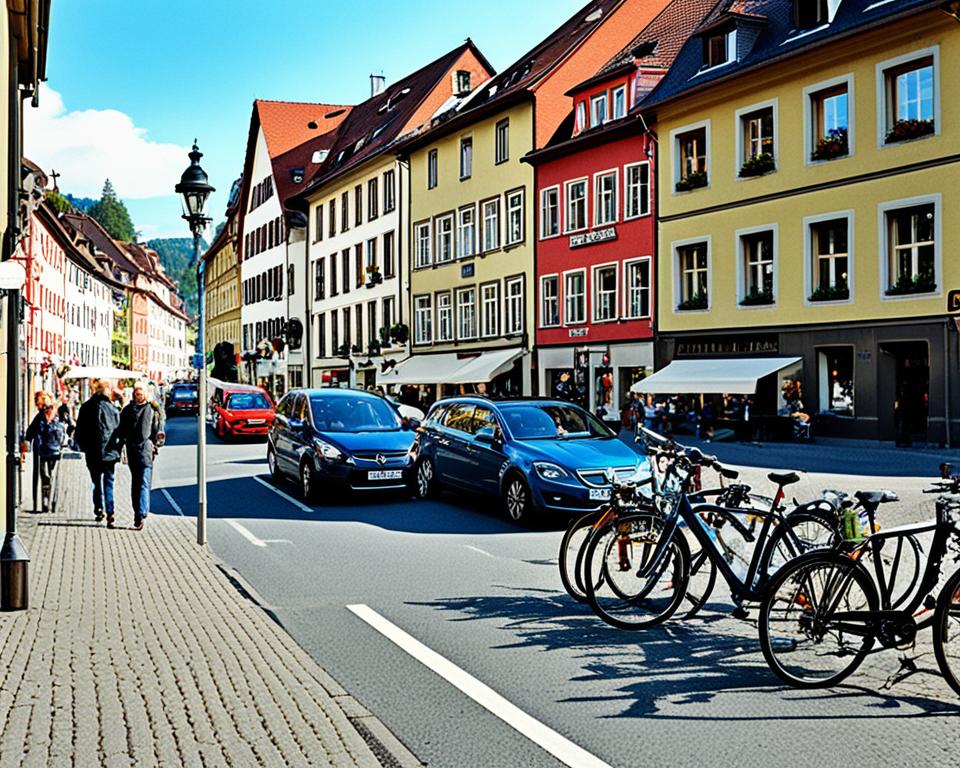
<point>590,238</point>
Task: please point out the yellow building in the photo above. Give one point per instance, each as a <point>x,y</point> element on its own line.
<point>807,167</point>
<point>472,223</point>
<point>221,292</point>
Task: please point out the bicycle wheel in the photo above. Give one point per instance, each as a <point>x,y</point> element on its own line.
<point>703,578</point>
<point>572,548</point>
<point>623,584</point>
<point>798,534</point>
<point>814,628</point>
<point>946,632</point>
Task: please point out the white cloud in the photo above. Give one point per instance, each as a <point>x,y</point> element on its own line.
<point>87,146</point>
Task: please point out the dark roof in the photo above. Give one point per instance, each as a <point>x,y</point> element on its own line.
<point>75,251</point>
<point>102,241</point>
<point>775,38</point>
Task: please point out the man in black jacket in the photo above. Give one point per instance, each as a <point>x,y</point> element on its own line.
<point>95,434</point>
<point>141,434</point>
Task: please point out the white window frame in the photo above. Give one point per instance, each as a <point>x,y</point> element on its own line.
<point>513,314</point>
<point>458,304</point>
<point>502,127</point>
<point>884,240</point>
<point>557,299</point>
<point>484,205</point>
<point>622,90</point>
<point>521,193</point>
<point>597,207</point>
<point>675,247</point>
<point>453,239</point>
<point>581,117</point>
<point>489,326</point>
<point>627,288</point>
<point>595,100</point>
<point>433,168</point>
<point>741,266</point>
<point>809,275</point>
<point>438,312</point>
<point>565,295</point>
<point>595,294</point>
<point>585,181</point>
<point>675,135</point>
<point>809,118</point>
<point>423,319</point>
<point>462,240</point>
<point>418,228</point>
<point>645,204</point>
<point>543,212</point>
<point>881,85</point>
<point>465,159</point>
<point>731,44</point>
<point>739,158</point>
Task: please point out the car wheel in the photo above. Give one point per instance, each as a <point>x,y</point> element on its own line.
<point>517,502</point>
<point>426,480</point>
<point>308,481</point>
<point>272,465</point>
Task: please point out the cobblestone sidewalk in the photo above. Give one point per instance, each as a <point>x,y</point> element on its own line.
<point>137,650</point>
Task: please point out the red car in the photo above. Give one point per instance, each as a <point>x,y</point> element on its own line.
<point>241,411</point>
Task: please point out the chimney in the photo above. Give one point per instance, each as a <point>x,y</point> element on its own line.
<point>378,84</point>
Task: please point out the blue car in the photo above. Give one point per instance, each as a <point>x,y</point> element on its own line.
<point>536,456</point>
<point>340,439</point>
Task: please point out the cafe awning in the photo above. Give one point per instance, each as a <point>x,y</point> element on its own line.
<point>486,367</point>
<point>713,377</point>
<point>449,368</point>
<point>101,372</point>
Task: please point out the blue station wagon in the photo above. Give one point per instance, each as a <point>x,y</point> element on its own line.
<point>534,455</point>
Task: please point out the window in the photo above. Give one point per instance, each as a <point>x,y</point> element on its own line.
<point>372,322</point>
<point>909,98</point>
<point>387,312</point>
<point>389,192</point>
<point>502,148</point>
<point>810,14</point>
<point>694,276</point>
<point>549,301</point>
<point>317,224</point>
<point>830,259</point>
<point>605,293</point>
<point>389,267</point>
<point>491,224</point>
<point>466,231</point>
<point>291,278</point>
<point>549,212</point>
<point>576,214</point>
<point>691,151</point>
<point>757,253</point>
<point>490,310</point>
<point>345,264</point>
<point>358,264</point>
<point>319,280</point>
<point>581,123</point>
<point>421,240</point>
<point>605,198</point>
<point>466,313</point>
<point>373,199</point>
<point>835,366</point>
<point>347,334</point>
<point>620,102</point>
<point>598,110</point>
<point>358,315</point>
<point>757,145</point>
<point>344,211</point>
<point>332,218</point>
<point>432,169</point>
<point>829,121</point>
<point>334,334</point>
<point>912,250</point>
<point>466,158</point>
<point>444,317</point>
<point>358,204</point>
<point>515,217</point>
<point>444,238</point>
<point>719,48</point>
<point>513,306</point>
<point>462,81</point>
<point>333,275</point>
<point>638,288</point>
<point>636,191</point>
<point>372,265</point>
<point>575,294</point>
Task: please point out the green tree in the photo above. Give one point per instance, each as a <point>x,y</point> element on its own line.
<point>59,203</point>
<point>112,214</point>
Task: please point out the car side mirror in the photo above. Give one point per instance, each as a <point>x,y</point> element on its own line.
<point>487,435</point>
<point>411,425</point>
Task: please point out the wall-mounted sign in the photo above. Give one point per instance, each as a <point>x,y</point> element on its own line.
<point>597,236</point>
<point>576,333</point>
<point>466,270</point>
<point>953,301</point>
<point>728,345</point>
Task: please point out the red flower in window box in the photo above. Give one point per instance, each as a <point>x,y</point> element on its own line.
<point>905,130</point>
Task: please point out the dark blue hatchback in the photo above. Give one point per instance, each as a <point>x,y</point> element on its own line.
<point>340,439</point>
<point>534,455</point>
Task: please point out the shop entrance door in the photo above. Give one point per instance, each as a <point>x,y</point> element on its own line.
<point>910,363</point>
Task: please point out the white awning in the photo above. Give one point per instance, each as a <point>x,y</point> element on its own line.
<point>486,367</point>
<point>713,377</point>
<point>101,372</point>
<point>448,368</point>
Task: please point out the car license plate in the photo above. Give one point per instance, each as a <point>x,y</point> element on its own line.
<point>385,474</point>
<point>599,494</point>
<point>255,421</point>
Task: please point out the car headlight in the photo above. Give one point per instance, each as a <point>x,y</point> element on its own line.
<point>550,471</point>
<point>327,451</point>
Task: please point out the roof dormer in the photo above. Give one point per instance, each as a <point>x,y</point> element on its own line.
<point>813,14</point>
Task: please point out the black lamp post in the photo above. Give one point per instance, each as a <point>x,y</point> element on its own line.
<point>194,190</point>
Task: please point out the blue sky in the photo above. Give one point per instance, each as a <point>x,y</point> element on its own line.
<point>131,83</point>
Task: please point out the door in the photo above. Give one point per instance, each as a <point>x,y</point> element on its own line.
<point>453,457</point>
<point>486,459</point>
<point>910,361</point>
<point>288,436</point>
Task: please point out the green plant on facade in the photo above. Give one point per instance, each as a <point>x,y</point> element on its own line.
<point>758,165</point>
<point>693,180</point>
<point>906,285</point>
<point>757,297</point>
<point>697,301</point>
<point>835,144</point>
<point>905,130</point>
<point>120,339</point>
<point>831,293</point>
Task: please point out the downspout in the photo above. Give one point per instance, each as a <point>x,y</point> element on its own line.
<point>308,308</point>
<point>946,383</point>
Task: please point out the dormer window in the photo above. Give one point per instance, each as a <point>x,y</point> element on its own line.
<point>810,14</point>
<point>461,82</point>
<point>581,116</point>
<point>620,102</point>
<point>719,48</point>
<point>598,110</point>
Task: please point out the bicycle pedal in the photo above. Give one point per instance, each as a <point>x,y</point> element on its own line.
<point>741,613</point>
<point>930,602</point>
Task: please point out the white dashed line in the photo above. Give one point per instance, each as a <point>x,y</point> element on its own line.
<point>171,502</point>
<point>559,746</point>
<point>298,504</point>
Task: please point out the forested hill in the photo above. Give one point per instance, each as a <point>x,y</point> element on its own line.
<point>176,255</point>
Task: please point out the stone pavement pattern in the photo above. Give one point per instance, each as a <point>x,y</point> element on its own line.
<point>137,650</point>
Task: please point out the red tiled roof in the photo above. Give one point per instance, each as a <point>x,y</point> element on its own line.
<point>286,124</point>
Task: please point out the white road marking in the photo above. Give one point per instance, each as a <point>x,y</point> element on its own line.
<point>560,747</point>
<point>245,533</point>
<point>169,498</point>
<point>298,504</point>
<point>481,551</point>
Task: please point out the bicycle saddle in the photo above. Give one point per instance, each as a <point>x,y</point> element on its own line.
<point>730,474</point>
<point>784,478</point>
<point>875,498</point>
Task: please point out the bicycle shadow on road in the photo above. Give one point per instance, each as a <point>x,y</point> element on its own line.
<point>676,671</point>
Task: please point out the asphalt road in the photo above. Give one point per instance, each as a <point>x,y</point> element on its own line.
<point>485,595</point>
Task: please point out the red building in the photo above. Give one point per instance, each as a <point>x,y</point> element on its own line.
<point>596,224</point>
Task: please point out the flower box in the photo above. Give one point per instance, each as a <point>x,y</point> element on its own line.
<point>758,166</point>
<point>905,130</point>
<point>835,144</point>
<point>831,293</point>
<point>757,298</point>
<point>699,301</point>
<point>906,285</point>
<point>693,180</point>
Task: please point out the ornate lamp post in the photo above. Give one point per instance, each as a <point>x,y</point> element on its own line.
<point>195,190</point>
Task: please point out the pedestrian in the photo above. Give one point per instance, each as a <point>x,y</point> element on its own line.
<point>140,433</point>
<point>95,434</point>
<point>45,436</point>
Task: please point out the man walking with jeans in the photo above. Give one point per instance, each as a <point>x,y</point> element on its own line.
<point>95,434</point>
<point>141,433</point>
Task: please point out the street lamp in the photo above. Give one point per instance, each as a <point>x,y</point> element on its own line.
<point>194,191</point>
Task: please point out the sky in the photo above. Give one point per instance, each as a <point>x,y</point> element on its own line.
<point>132,82</point>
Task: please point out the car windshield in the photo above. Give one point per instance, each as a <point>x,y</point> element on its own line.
<point>248,401</point>
<point>552,421</point>
<point>184,394</point>
<point>353,414</point>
